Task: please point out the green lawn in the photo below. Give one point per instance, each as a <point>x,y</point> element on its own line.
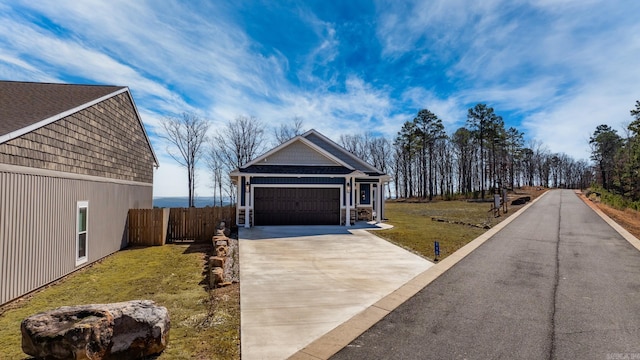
<point>415,230</point>
<point>204,324</point>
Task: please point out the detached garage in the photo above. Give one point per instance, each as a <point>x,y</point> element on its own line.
<point>309,180</point>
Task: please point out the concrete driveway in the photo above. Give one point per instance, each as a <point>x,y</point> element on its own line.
<point>299,282</point>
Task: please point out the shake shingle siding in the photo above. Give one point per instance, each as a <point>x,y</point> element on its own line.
<point>103,140</point>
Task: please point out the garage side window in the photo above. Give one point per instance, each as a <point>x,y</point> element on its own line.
<point>82,215</point>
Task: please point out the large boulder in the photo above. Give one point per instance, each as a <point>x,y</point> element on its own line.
<point>126,330</point>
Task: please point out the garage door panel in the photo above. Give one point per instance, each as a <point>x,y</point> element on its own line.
<point>297,206</point>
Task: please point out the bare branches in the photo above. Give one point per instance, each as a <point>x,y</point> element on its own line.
<point>186,133</point>
<point>217,169</point>
<point>241,140</point>
<point>286,132</point>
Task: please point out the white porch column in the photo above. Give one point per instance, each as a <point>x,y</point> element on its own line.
<point>238,195</point>
<point>247,196</point>
<point>379,196</point>
<point>347,213</point>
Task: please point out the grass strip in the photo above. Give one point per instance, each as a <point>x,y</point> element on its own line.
<point>204,324</point>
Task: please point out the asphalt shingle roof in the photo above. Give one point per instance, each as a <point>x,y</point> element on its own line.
<point>335,150</point>
<point>26,103</point>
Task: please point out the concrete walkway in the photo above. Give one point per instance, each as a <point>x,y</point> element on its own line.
<point>299,282</point>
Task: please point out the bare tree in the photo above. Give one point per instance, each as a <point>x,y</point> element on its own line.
<point>187,133</point>
<point>357,144</point>
<point>380,152</point>
<point>286,132</point>
<point>241,140</point>
<point>217,169</point>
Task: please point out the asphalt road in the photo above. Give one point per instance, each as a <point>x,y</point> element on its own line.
<point>556,283</point>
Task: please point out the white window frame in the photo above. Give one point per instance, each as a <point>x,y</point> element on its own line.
<point>83,259</point>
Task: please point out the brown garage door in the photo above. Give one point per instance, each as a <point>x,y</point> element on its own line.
<point>297,206</point>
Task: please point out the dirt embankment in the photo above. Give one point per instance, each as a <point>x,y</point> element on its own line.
<point>627,218</point>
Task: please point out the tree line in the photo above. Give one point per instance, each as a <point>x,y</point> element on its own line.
<point>617,157</point>
<point>473,161</point>
<point>422,160</point>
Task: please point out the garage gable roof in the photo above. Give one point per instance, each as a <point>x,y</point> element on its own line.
<point>309,153</point>
<point>341,153</point>
<point>298,151</point>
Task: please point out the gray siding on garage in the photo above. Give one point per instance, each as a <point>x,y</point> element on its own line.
<point>38,224</point>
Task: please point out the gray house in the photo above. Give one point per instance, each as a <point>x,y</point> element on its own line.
<point>308,180</point>
<point>73,160</point>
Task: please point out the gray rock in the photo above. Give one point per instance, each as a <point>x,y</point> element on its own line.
<point>126,330</point>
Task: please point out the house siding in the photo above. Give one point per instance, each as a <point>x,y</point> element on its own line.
<point>38,225</point>
<point>105,140</point>
<point>298,153</point>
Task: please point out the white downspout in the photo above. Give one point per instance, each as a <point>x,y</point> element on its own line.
<point>379,195</point>
<point>347,215</point>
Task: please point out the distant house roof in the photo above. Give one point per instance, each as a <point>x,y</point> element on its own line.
<point>340,153</point>
<point>338,161</point>
<point>27,106</point>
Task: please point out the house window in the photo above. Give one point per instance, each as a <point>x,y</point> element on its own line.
<point>82,215</point>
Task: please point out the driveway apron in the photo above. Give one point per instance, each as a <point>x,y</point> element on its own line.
<point>299,282</point>
<point>556,283</point>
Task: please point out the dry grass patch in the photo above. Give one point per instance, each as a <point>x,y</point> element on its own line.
<point>204,324</point>
<point>415,230</point>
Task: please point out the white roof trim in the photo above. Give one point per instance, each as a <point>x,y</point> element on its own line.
<point>238,173</point>
<point>343,150</point>
<point>66,175</point>
<point>354,174</point>
<point>313,146</point>
<point>35,126</point>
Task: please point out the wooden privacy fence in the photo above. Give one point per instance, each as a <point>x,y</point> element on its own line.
<point>198,224</point>
<point>158,226</point>
<point>148,226</point>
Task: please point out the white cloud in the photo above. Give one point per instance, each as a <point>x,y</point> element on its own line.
<point>561,66</point>
<point>566,66</point>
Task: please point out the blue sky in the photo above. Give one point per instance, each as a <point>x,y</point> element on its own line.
<point>555,69</point>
